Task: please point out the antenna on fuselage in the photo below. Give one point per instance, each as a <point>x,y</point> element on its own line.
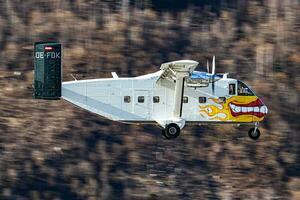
<point>74,77</point>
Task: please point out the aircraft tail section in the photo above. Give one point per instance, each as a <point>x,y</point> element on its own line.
<point>47,70</point>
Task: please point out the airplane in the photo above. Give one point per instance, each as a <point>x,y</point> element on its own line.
<point>171,98</point>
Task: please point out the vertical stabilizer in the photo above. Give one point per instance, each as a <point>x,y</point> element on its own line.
<point>47,70</point>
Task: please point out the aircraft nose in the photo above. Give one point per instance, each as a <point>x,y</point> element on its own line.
<point>263,108</point>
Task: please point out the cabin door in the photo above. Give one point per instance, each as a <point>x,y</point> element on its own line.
<point>142,103</point>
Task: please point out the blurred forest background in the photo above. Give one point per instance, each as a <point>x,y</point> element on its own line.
<point>54,150</point>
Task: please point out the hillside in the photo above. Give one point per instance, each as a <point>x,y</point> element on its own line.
<point>53,150</point>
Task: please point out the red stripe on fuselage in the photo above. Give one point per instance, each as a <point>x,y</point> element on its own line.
<point>255,103</point>
<point>257,114</point>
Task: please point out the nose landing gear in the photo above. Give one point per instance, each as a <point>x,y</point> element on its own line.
<point>254,133</point>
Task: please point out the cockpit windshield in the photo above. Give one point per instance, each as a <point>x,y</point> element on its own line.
<point>244,90</point>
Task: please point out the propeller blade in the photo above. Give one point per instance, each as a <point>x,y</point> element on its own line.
<point>213,84</point>
<point>213,65</point>
<point>207,66</point>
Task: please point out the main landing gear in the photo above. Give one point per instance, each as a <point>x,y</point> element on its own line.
<point>171,131</point>
<point>254,133</point>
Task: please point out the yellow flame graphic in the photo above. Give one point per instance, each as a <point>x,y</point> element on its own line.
<point>217,110</point>
<point>212,111</point>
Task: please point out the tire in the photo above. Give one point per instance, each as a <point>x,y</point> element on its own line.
<point>254,135</point>
<point>172,131</point>
<point>163,133</point>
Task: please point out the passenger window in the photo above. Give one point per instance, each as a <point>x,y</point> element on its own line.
<point>141,99</point>
<point>185,99</point>
<point>155,99</point>
<point>126,99</point>
<point>202,99</point>
<point>231,89</point>
<point>243,89</point>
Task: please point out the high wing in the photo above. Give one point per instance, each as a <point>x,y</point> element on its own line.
<point>170,69</point>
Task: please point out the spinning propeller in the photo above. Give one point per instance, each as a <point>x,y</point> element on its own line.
<point>213,73</point>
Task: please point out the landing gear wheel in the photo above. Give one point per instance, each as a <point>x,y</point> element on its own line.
<point>254,134</point>
<point>171,131</point>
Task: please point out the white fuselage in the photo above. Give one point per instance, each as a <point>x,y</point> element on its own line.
<point>106,97</point>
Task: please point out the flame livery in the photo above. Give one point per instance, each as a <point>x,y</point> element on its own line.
<point>235,109</point>
<point>147,98</point>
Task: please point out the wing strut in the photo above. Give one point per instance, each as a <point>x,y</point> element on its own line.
<point>178,96</point>
<point>182,97</point>
<point>176,71</point>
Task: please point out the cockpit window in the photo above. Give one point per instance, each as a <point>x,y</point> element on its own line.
<point>232,89</point>
<point>244,90</point>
